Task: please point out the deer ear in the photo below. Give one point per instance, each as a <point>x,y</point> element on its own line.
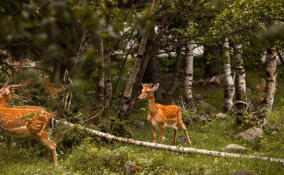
<point>156,86</point>
<point>143,85</point>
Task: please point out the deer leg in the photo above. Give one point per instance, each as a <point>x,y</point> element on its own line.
<point>182,126</point>
<point>162,129</point>
<point>46,156</point>
<point>49,144</point>
<point>175,135</point>
<point>153,133</point>
<point>9,145</point>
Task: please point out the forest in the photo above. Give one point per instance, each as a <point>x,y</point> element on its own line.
<point>158,87</point>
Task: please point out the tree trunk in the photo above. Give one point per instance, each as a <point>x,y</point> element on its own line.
<point>212,61</point>
<point>189,75</point>
<point>271,66</point>
<point>153,75</point>
<point>177,66</point>
<point>171,147</point>
<point>229,82</point>
<point>240,75</point>
<point>101,88</point>
<point>108,84</point>
<point>135,69</point>
<point>55,77</point>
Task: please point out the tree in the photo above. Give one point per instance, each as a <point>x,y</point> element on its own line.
<point>229,82</point>
<point>189,75</point>
<point>126,102</point>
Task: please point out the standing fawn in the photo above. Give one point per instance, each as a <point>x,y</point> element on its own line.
<point>161,115</point>
<point>25,121</point>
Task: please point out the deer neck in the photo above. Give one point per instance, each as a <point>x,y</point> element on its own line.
<point>3,103</point>
<point>152,105</point>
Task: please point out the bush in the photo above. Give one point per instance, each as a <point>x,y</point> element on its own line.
<point>67,137</point>
<point>115,126</point>
<point>93,160</point>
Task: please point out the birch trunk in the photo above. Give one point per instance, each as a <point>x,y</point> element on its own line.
<point>229,83</point>
<point>101,88</point>
<point>189,75</point>
<point>171,147</point>
<point>240,75</point>
<point>177,66</point>
<point>271,66</point>
<point>135,69</point>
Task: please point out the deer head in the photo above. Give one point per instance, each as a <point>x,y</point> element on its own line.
<point>148,90</point>
<point>7,93</point>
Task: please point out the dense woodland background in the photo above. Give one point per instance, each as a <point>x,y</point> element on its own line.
<point>86,60</point>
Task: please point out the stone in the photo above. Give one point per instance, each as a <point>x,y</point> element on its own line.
<point>130,168</point>
<point>221,115</point>
<point>252,134</point>
<point>141,123</point>
<point>182,139</point>
<point>203,118</point>
<point>235,148</point>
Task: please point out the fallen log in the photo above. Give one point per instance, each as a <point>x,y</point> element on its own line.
<point>171,147</point>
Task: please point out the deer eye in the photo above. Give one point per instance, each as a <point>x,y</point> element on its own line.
<point>148,92</point>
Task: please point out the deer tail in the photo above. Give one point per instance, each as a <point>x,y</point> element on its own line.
<point>52,123</point>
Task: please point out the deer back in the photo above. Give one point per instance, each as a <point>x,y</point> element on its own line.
<point>31,118</point>
<point>170,114</point>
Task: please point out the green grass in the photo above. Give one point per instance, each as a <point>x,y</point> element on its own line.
<point>95,158</point>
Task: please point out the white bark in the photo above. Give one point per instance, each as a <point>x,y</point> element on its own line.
<point>229,82</point>
<point>189,74</point>
<point>271,66</point>
<point>173,148</point>
<point>240,75</point>
<point>101,90</point>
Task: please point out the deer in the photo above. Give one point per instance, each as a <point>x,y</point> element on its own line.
<point>26,121</point>
<point>162,115</point>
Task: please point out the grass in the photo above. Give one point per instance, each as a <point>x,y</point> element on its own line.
<point>95,158</point>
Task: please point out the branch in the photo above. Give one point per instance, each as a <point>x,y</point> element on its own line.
<point>173,148</point>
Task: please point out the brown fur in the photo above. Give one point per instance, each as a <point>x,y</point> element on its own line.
<point>162,115</point>
<point>25,121</point>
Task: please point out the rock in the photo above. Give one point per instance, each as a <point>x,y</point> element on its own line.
<point>130,168</point>
<point>251,134</point>
<point>221,115</point>
<point>141,123</point>
<point>235,148</point>
<point>203,118</point>
<point>182,139</point>
<point>241,173</point>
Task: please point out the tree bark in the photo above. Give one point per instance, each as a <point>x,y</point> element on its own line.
<point>153,75</point>
<point>135,69</point>
<point>229,83</point>
<point>101,87</point>
<point>108,84</point>
<point>240,75</point>
<point>171,147</point>
<point>212,61</point>
<point>271,67</point>
<point>55,77</point>
<point>189,75</point>
<point>177,66</point>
